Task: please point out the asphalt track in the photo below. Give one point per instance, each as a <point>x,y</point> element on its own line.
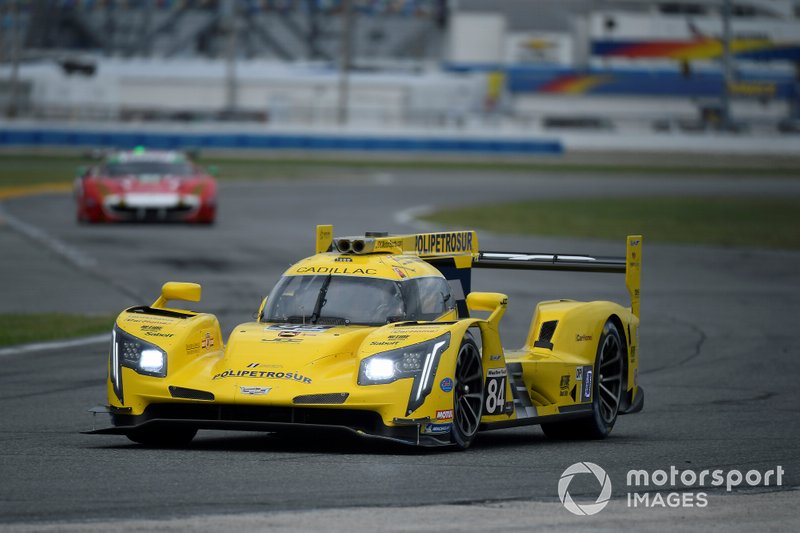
<point>719,361</point>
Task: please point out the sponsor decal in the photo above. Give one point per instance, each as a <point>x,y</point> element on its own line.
<point>302,328</point>
<point>255,391</point>
<point>207,341</point>
<point>164,321</point>
<point>444,243</point>
<point>282,340</point>
<point>406,260</point>
<point>424,328</point>
<point>580,372</point>
<point>582,338</point>
<point>288,333</point>
<point>383,244</point>
<point>344,259</point>
<point>586,393</point>
<point>391,340</point>
<point>335,270</point>
<point>446,414</point>
<point>151,328</point>
<point>436,428</point>
<point>446,384</point>
<point>495,358</point>
<point>496,372</point>
<point>158,334</point>
<point>400,272</point>
<point>261,374</point>
<point>261,365</point>
<point>193,347</point>
<point>564,386</point>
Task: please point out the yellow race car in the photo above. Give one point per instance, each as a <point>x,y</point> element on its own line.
<point>378,335</point>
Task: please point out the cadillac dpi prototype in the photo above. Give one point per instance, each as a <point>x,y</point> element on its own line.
<point>380,336</point>
<point>146,185</point>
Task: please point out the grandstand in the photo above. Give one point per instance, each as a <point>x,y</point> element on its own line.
<point>541,64</point>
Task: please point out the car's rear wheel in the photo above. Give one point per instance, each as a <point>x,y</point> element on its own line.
<point>467,394</point>
<point>163,437</point>
<point>607,387</point>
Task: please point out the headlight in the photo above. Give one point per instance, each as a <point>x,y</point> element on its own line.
<point>152,361</point>
<point>378,369</point>
<point>143,357</point>
<point>419,361</point>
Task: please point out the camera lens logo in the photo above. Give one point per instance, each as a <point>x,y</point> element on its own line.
<point>588,508</point>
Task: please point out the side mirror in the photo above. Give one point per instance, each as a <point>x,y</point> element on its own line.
<point>176,290</point>
<point>494,302</point>
<point>486,301</point>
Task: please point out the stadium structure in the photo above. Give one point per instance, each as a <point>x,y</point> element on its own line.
<point>542,64</point>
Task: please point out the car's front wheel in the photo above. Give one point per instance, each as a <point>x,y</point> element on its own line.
<point>467,394</point>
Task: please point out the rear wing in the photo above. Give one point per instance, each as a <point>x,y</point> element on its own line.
<point>455,252</point>
<point>630,265</point>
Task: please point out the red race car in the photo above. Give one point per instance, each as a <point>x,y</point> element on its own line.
<point>146,185</point>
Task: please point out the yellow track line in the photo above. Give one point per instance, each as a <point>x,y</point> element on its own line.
<point>27,190</point>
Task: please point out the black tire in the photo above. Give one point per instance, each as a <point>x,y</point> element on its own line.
<point>467,394</point>
<point>163,437</point>
<point>607,389</point>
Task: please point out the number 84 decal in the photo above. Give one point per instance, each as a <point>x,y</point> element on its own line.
<point>495,391</point>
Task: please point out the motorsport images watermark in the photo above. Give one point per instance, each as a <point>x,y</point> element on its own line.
<point>662,488</point>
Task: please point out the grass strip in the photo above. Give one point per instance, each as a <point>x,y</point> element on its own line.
<point>724,221</point>
<point>39,327</point>
<point>32,169</point>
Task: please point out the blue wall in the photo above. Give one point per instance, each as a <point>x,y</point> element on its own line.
<point>274,141</point>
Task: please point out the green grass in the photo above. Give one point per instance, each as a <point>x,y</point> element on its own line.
<point>26,328</point>
<point>18,170</point>
<point>737,222</point>
<point>34,168</point>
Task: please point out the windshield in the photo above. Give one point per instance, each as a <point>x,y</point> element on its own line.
<point>341,300</point>
<point>140,168</point>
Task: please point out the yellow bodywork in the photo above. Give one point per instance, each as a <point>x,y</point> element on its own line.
<point>314,366</point>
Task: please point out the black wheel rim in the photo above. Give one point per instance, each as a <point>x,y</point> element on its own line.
<point>468,390</point>
<point>609,379</point>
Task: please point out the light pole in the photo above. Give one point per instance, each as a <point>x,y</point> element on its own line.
<point>229,17</point>
<point>13,98</point>
<point>342,110</point>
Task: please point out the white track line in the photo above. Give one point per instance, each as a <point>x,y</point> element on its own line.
<point>55,345</point>
<point>71,254</point>
<point>409,217</point>
<point>80,260</point>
